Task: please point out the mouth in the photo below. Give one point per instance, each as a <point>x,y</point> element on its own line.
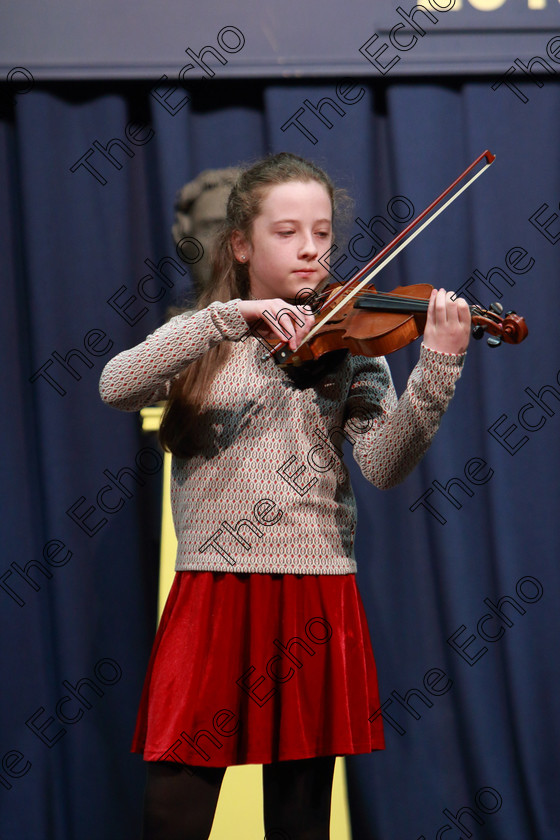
<point>305,271</point>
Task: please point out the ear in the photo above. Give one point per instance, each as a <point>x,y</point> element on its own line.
<point>240,247</point>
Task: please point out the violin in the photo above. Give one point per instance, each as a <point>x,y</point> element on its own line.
<point>372,323</point>
<point>357,318</point>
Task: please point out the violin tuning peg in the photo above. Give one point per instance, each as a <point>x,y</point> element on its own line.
<point>478,332</point>
<point>496,307</point>
<point>510,312</point>
<point>494,341</point>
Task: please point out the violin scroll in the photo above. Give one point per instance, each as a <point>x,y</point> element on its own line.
<point>512,329</point>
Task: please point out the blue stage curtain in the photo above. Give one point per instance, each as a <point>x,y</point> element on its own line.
<point>471,727</point>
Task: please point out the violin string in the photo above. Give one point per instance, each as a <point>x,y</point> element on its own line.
<point>417,304</point>
<point>422,303</point>
<point>389,296</point>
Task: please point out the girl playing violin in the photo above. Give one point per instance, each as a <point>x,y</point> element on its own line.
<point>263,654</point>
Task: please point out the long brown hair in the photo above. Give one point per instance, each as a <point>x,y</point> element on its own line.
<point>230,279</point>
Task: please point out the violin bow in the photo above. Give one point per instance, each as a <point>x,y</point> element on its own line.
<point>398,244</point>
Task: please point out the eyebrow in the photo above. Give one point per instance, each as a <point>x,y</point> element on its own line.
<point>296,221</point>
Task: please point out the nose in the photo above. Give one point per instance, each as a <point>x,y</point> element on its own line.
<point>308,246</point>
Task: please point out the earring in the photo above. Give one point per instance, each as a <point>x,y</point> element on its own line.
<point>243,257</point>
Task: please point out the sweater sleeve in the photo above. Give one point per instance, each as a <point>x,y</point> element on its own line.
<point>393,436</point>
<point>142,375</point>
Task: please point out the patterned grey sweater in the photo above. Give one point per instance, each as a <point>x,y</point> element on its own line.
<point>270,491</point>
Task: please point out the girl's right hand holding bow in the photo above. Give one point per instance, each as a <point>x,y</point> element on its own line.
<point>276,317</point>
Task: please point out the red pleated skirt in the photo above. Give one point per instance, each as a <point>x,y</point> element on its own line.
<point>257,668</point>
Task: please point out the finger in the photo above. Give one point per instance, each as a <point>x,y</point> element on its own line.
<point>291,320</point>
<point>295,331</point>
<point>303,329</point>
<point>289,323</point>
<point>430,318</point>
<point>307,326</point>
<point>283,327</point>
<point>440,309</point>
<point>298,325</point>
<point>310,321</point>
<point>451,309</point>
<point>463,311</point>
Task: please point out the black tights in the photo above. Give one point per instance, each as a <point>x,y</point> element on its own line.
<point>180,802</point>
